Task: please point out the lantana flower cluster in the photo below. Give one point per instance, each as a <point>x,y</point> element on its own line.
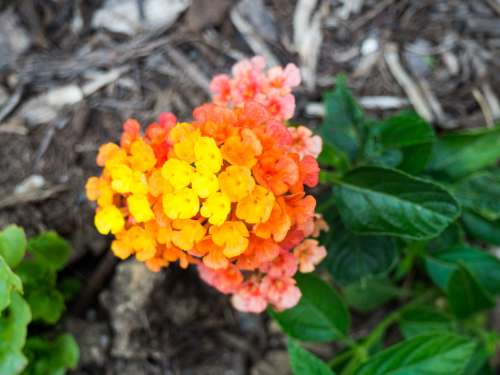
<point>224,192</point>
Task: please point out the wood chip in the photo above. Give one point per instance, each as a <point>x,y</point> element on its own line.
<point>411,88</point>
<point>14,199</point>
<point>252,37</point>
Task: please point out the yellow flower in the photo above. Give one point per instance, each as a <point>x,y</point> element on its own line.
<point>140,208</point>
<point>216,208</point>
<point>177,172</point>
<point>184,137</point>
<point>181,204</point>
<point>158,185</point>
<point>125,180</point>
<point>109,219</point>
<point>143,242</point>
<point>236,182</point>
<point>256,207</point>
<point>232,235</point>
<point>97,188</point>
<point>187,233</point>
<point>121,178</point>
<point>207,154</point>
<point>205,183</point>
<point>121,249</point>
<point>142,156</point>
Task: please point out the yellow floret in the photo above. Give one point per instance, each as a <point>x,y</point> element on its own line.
<point>109,219</point>
<point>181,204</point>
<point>236,182</point>
<point>184,136</point>
<point>232,235</point>
<point>140,208</point>
<point>177,172</point>
<point>256,207</point>
<point>142,156</point>
<point>205,183</point>
<point>187,233</point>
<point>207,154</point>
<point>216,208</point>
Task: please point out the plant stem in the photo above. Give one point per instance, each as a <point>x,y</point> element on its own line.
<point>337,360</point>
<point>361,351</point>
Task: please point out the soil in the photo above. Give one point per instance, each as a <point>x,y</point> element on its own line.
<point>128,320</point>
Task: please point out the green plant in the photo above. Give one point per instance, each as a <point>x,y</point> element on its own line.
<point>30,295</point>
<point>412,214</point>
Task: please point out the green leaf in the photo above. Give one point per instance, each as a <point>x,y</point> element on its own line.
<point>451,236</point>
<point>304,363</point>
<point>465,295</point>
<point>13,329</point>
<point>368,295</point>
<point>439,271</point>
<point>375,200</point>
<point>9,281</point>
<point>343,117</point>
<point>412,135</point>
<point>478,365</point>
<point>462,153</point>
<point>480,193</point>
<point>424,320</point>
<point>46,304</point>
<point>320,315</point>
<point>51,357</point>
<point>482,229</point>
<point>353,258</point>
<point>331,156</point>
<point>12,245</point>
<point>50,249</point>
<point>405,129</point>
<point>35,274</point>
<point>436,354</point>
<point>483,266</point>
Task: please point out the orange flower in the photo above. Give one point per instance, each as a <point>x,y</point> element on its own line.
<point>277,225</point>
<point>225,192</point>
<point>276,171</point>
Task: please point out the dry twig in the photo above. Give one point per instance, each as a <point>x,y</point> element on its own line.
<point>31,196</point>
<point>406,82</point>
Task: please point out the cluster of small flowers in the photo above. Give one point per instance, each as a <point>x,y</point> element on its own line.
<point>251,83</point>
<point>224,192</point>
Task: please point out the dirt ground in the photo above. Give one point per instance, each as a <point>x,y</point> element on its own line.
<point>72,71</point>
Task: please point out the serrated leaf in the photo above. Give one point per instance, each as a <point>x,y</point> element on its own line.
<point>12,245</point>
<point>13,329</point>
<point>51,357</point>
<point>483,266</point>
<point>343,117</point>
<point>320,315</point>
<point>480,193</point>
<point>46,305</point>
<point>9,282</point>
<point>304,363</point>
<point>367,295</point>
<point>436,354</point>
<point>375,200</point>
<point>465,295</point>
<point>482,229</point>
<point>50,249</point>
<point>352,258</point>
<point>462,153</point>
<point>424,320</point>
